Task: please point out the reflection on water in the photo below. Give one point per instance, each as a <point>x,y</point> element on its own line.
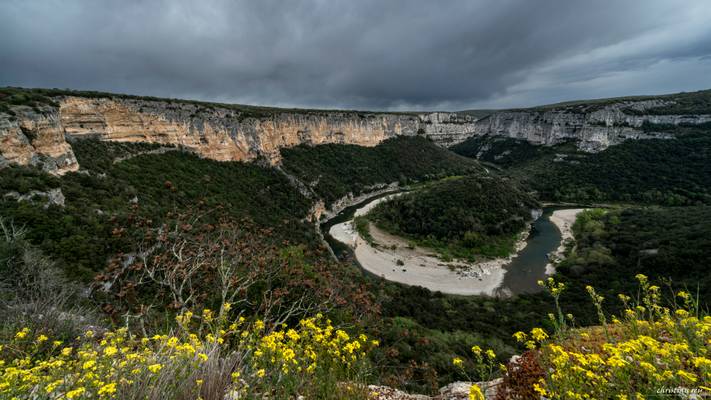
<point>524,271</point>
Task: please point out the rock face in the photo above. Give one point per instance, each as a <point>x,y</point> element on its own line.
<point>213,132</point>
<point>594,129</point>
<point>453,391</point>
<point>447,129</point>
<point>37,136</point>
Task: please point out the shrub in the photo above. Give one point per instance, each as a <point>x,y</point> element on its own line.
<point>649,348</point>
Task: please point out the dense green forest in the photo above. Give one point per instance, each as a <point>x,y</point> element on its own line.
<point>667,243</point>
<point>655,171</point>
<point>461,217</point>
<point>103,196</point>
<point>504,151</point>
<point>334,170</point>
<point>122,187</point>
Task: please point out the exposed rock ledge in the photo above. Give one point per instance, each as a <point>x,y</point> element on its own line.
<point>453,391</point>
<point>37,136</point>
<point>594,130</point>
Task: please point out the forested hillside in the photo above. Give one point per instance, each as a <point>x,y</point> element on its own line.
<point>334,170</point>
<point>461,217</point>
<point>105,197</point>
<point>656,171</point>
<point>668,243</point>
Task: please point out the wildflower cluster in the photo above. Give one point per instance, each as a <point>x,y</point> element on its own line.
<point>288,357</point>
<point>556,289</point>
<point>648,348</point>
<point>238,358</point>
<point>485,365</point>
<point>92,367</point>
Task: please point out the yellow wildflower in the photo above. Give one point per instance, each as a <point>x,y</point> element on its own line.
<point>75,393</point>
<point>475,393</point>
<point>155,368</point>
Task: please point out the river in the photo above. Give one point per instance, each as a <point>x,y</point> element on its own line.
<point>520,274</point>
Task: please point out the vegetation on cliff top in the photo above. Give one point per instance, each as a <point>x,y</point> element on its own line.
<point>461,217</point>
<point>654,171</point>
<point>335,170</point>
<point>14,96</point>
<point>698,102</point>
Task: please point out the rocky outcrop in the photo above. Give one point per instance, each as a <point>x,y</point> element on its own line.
<point>35,137</point>
<point>447,129</point>
<point>453,391</point>
<point>49,198</point>
<point>220,133</point>
<point>594,128</point>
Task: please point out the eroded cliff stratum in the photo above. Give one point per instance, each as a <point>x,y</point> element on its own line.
<point>38,135</point>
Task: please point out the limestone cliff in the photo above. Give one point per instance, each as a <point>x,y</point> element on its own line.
<point>37,135</point>
<point>593,126</point>
<point>213,132</point>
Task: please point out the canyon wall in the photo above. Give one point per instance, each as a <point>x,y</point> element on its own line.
<point>593,127</point>
<point>37,137</point>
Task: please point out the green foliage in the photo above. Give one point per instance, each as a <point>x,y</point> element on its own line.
<point>334,170</point>
<point>81,236</point>
<point>430,328</point>
<point>38,97</point>
<point>427,354</point>
<point>99,156</point>
<point>10,97</point>
<point>669,172</point>
<point>679,103</point>
<point>666,243</point>
<point>465,217</point>
<point>362,224</point>
<point>502,151</point>
<point>685,103</point>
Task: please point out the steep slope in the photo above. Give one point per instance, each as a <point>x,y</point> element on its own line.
<point>669,172</point>
<point>335,171</point>
<point>34,123</point>
<point>598,124</point>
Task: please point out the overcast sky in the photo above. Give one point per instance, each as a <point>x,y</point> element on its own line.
<point>364,54</point>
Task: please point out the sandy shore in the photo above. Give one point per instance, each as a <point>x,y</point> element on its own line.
<point>563,220</point>
<point>397,260</point>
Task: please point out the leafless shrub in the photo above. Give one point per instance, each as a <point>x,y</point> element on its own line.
<point>192,261</point>
<point>34,291</point>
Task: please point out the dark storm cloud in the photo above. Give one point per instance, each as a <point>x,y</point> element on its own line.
<point>359,54</point>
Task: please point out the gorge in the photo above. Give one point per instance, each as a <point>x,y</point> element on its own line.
<point>36,133</point>
<point>93,181</point>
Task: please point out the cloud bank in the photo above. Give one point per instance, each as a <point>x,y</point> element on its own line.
<point>366,54</point>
